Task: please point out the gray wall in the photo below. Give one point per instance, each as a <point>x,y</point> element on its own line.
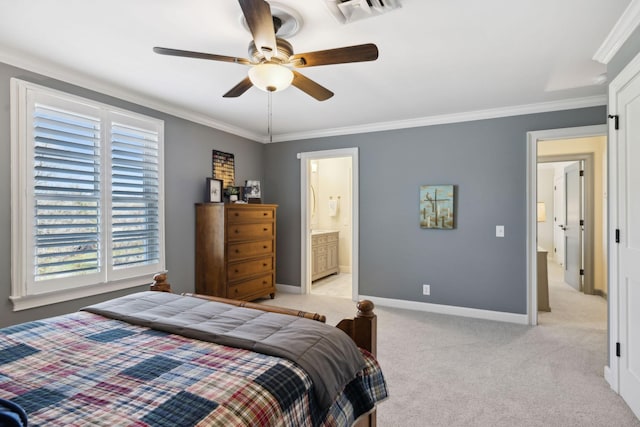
<point>467,266</point>
<point>187,163</point>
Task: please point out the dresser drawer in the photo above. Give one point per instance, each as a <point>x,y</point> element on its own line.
<point>250,231</point>
<point>242,269</point>
<point>237,251</point>
<point>255,286</point>
<point>235,216</point>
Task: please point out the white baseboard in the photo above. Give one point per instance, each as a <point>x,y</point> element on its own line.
<point>521,319</point>
<point>288,289</point>
<point>608,378</point>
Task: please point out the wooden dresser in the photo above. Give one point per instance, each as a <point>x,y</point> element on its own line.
<point>236,250</point>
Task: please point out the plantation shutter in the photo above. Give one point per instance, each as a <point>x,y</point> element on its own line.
<point>135,190</point>
<point>66,157</point>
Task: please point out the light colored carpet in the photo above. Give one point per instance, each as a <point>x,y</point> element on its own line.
<point>335,285</point>
<point>453,371</point>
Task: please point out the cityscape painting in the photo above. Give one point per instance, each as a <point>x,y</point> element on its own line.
<point>436,206</point>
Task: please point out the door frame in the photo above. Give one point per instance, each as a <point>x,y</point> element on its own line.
<point>588,241</point>
<point>533,138</point>
<point>305,220</point>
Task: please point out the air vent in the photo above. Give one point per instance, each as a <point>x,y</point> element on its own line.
<point>346,11</point>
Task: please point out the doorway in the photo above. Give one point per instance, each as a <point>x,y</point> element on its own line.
<point>571,149</point>
<point>329,223</point>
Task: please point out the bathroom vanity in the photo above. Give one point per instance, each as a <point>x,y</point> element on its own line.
<point>324,253</point>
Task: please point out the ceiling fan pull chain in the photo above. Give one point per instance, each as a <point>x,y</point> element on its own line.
<point>270,117</point>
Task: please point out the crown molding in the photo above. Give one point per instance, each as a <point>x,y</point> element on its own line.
<point>621,31</point>
<point>108,88</point>
<point>79,79</point>
<point>494,113</point>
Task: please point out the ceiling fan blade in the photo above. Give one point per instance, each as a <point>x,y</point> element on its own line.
<point>310,87</point>
<point>341,55</point>
<point>260,22</point>
<point>239,89</point>
<point>200,55</point>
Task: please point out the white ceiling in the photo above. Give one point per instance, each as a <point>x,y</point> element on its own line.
<point>439,59</point>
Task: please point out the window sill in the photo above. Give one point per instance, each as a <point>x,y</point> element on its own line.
<point>39,300</point>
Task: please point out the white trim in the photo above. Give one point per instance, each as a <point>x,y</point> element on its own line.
<point>626,24</point>
<point>543,107</point>
<point>532,194</point>
<point>475,313</point>
<point>305,244</point>
<point>608,377</point>
<point>38,300</point>
<point>89,82</point>
<point>288,289</point>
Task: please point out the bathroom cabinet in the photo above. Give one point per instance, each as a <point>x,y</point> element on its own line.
<point>324,254</point>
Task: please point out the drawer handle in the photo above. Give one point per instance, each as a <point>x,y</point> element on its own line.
<point>264,282</point>
<point>265,247</point>
<point>264,264</point>
<point>265,229</point>
<point>237,271</point>
<point>264,214</point>
<point>237,231</point>
<point>237,251</point>
<point>237,214</point>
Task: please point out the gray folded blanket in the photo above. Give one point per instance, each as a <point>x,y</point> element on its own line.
<point>326,353</point>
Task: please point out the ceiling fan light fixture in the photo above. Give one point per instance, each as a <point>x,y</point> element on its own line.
<point>270,77</point>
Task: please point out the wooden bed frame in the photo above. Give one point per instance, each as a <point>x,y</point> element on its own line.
<point>362,328</point>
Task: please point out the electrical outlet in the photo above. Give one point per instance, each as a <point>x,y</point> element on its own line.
<point>426,289</point>
<point>499,230</point>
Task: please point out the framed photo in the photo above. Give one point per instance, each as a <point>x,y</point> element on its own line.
<point>436,206</point>
<point>214,190</point>
<point>224,167</point>
<point>253,188</point>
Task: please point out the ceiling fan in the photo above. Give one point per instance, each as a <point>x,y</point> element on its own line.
<point>272,58</point>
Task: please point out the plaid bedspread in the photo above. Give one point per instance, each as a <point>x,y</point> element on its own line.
<point>84,369</point>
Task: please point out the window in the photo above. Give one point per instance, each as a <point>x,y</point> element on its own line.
<point>87,197</point>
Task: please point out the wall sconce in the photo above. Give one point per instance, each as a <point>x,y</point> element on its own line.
<point>542,212</point>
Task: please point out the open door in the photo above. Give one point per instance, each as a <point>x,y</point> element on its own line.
<point>626,235</point>
<point>573,226</point>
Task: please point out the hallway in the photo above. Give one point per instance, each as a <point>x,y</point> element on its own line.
<point>570,307</point>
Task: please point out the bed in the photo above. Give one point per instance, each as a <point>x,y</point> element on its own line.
<point>161,359</point>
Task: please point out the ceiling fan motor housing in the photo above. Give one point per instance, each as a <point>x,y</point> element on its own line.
<point>284,50</point>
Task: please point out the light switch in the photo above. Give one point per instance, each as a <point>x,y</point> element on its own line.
<point>499,230</point>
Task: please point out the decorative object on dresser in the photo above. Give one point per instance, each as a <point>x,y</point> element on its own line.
<point>224,167</point>
<point>252,192</point>
<point>324,254</point>
<point>235,250</point>
<point>437,203</point>
<point>214,190</point>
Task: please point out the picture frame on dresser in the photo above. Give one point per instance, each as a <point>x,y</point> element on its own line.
<point>214,190</point>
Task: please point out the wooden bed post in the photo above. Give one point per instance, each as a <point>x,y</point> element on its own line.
<point>363,328</point>
<point>160,283</point>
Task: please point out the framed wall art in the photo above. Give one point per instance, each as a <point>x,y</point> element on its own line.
<point>437,204</point>
<point>214,190</point>
<point>224,168</point>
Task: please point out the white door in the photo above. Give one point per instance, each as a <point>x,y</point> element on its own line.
<point>628,280</point>
<point>572,228</point>
<point>558,219</point>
